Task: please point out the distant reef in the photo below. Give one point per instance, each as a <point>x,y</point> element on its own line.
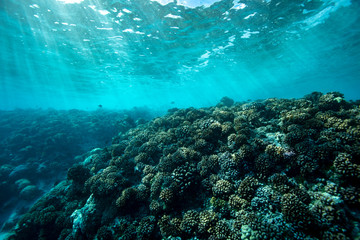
<point>38,146</point>
<point>268,169</point>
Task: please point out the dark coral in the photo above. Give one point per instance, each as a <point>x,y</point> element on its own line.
<point>167,195</point>
<point>248,188</point>
<point>344,165</point>
<point>78,173</point>
<point>296,212</point>
<point>332,101</point>
<point>185,178</point>
<point>222,188</point>
<point>146,227</point>
<point>190,222</point>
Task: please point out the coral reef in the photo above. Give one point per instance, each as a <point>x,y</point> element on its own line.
<point>38,146</point>
<point>270,169</point>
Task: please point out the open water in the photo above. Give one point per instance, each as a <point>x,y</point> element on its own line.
<point>81,53</point>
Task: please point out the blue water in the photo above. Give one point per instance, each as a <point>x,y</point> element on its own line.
<point>81,53</point>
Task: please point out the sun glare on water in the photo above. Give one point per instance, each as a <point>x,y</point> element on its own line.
<point>70,1</point>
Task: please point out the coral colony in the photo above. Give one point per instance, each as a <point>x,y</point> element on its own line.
<point>269,169</point>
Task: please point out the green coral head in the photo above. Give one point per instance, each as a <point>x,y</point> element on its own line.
<point>338,99</point>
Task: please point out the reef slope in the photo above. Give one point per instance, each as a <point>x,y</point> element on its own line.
<point>270,169</point>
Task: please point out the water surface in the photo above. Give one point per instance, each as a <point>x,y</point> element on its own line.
<point>82,53</point>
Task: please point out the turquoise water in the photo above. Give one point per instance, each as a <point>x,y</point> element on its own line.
<point>79,53</point>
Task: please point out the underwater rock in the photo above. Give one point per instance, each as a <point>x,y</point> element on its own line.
<point>22,183</point>
<point>270,169</point>
<point>83,220</point>
<point>226,101</point>
<point>29,192</point>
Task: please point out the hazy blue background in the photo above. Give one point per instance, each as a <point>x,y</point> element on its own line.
<point>120,54</point>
